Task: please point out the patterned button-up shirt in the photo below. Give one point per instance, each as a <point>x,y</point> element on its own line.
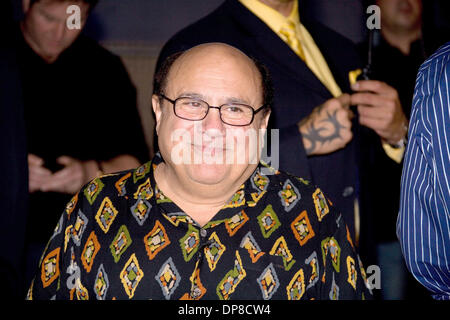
<point>278,237</point>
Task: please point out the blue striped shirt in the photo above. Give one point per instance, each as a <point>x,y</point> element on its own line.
<point>423,225</point>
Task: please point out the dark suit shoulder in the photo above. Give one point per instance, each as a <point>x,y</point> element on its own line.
<point>221,25</point>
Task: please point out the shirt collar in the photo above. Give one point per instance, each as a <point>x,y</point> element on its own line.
<point>142,190</point>
<point>272,18</point>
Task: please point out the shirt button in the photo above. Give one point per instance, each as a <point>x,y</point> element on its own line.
<point>348,191</point>
<point>203,233</point>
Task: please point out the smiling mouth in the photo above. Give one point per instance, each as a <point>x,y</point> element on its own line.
<point>208,148</point>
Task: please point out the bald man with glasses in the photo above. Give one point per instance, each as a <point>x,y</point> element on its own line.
<point>203,230</point>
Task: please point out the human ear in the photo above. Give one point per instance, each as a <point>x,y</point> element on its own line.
<point>265,119</point>
<point>156,105</point>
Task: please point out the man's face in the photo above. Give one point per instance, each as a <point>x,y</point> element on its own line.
<point>45,27</point>
<point>217,74</point>
<point>400,14</point>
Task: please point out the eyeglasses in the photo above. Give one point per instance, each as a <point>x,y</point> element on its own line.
<point>234,114</point>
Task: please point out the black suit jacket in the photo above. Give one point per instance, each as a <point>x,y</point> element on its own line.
<point>297,90</point>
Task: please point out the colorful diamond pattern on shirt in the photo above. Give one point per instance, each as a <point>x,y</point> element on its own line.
<point>197,288</point>
<point>351,271</point>
<point>140,210</point>
<point>101,283</point>
<point>313,262</point>
<point>248,242</point>
<point>156,240</point>
<point>320,203</point>
<point>176,217</point>
<point>106,214</point>
<point>255,198</point>
<point>189,243</point>
<point>161,197</point>
<point>237,200</point>
<point>231,280</point>
<point>93,189</point>
<point>90,250</point>
<point>79,227</point>
<point>131,275</point>
<point>268,282</point>
<point>71,205</point>
<point>214,251</point>
<point>259,181</point>
<point>330,245</point>
<point>120,184</point>
<point>281,249</point>
<point>67,236</point>
<point>121,242</point>
<point>81,291</point>
<point>50,268</point>
<point>296,288</point>
<point>268,221</point>
<point>168,278</point>
<point>334,291</point>
<point>302,229</point>
<point>253,248</point>
<point>144,191</point>
<point>140,172</point>
<point>236,222</point>
<point>289,195</point>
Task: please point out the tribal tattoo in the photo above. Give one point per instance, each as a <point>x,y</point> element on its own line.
<point>320,135</point>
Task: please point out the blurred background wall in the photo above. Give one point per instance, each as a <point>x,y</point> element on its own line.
<point>137,29</point>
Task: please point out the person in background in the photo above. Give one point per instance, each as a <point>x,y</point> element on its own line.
<point>80,113</point>
<point>423,225</point>
<point>397,51</point>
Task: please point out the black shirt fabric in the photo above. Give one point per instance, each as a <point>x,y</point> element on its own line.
<point>84,106</point>
<point>278,237</point>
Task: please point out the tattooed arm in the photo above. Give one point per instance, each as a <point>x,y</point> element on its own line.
<point>328,127</point>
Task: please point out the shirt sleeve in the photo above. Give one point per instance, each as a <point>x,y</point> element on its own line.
<point>423,225</point>
<point>59,273</point>
<point>341,275</point>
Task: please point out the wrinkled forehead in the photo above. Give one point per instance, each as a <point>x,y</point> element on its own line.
<point>215,65</point>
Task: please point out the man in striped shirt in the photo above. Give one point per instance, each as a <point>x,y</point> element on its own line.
<point>423,224</point>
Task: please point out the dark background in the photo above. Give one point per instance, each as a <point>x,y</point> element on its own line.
<point>136,30</point>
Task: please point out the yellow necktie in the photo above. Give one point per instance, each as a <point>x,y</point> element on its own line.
<point>291,38</point>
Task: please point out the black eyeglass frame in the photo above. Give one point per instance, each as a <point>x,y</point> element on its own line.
<point>173,102</point>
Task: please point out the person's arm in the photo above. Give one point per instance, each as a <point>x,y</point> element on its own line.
<point>328,127</point>
<point>76,173</point>
<point>56,276</point>
<point>379,109</point>
<point>423,225</point>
